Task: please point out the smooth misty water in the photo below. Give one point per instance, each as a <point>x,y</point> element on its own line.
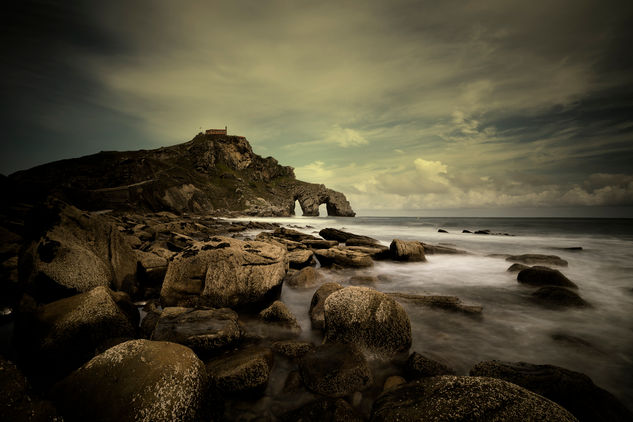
<point>597,341</point>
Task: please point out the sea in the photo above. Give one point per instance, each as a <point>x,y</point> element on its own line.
<point>597,341</point>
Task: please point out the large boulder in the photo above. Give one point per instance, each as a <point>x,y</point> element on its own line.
<point>368,318</point>
<point>205,331</point>
<point>403,250</point>
<point>464,399</point>
<point>538,259</point>
<point>343,257</point>
<point>335,370</point>
<point>572,390</point>
<point>544,276</point>
<point>243,372</point>
<point>279,314</point>
<point>300,258</point>
<point>225,272</point>
<point>317,312</point>
<point>72,252</point>
<point>60,336</point>
<point>137,380</point>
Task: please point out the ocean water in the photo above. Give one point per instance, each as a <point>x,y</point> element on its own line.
<point>597,341</point>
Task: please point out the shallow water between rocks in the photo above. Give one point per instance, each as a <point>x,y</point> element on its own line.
<point>597,341</point>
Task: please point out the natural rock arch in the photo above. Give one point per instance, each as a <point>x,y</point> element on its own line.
<point>310,196</point>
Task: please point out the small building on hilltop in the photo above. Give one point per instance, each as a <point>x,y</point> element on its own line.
<point>216,131</point>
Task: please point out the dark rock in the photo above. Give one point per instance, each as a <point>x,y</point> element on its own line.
<point>367,318</point>
<point>148,323</point>
<point>343,257</point>
<point>278,313</point>
<point>449,303</point>
<point>441,231</point>
<point>536,259</point>
<point>486,231</point>
<point>466,231</point>
<point>243,372</point>
<point>464,399</point>
<point>72,253</point>
<point>58,337</point>
<point>306,277</point>
<point>205,331</point>
<point>515,268</point>
<point>128,307</point>
<point>557,297</point>
<point>238,275</point>
<point>292,349</point>
<point>317,313</point>
<point>572,390</point>
<point>323,410</point>
<point>419,366</point>
<point>392,382</point>
<point>543,276</point>
<point>335,370</point>
<point>402,250</point>
<point>136,380</point>
<point>362,280</point>
<point>151,270</point>
<point>293,235</point>
<point>442,250</point>
<point>293,382</point>
<point>300,258</point>
<point>343,237</point>
<point>320,244</point>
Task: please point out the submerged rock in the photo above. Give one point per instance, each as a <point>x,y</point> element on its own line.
<point>411,251</point>
<point>515,268</point>
<point>419,366</point>
<point>242,372</point>
<point>344,237</point>
<point>279,314</point>
<point>306,277</point>
<point>449,303</point>
<point>574,391</point>
<point>544,276</point>
<point>464,399</point>
<point>558,297</point>
<point>323,410</point>
<point>537,259</point>
<point>225,272</point>
<point>367,318</point>
<point>137,380</point>
<point>335,370</point>
<point>292,349</point>
<point>317,313</point>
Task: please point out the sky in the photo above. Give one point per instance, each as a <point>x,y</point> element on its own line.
<point>489,107</point>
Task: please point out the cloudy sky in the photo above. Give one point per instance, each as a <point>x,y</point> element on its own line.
<point>489,107</point>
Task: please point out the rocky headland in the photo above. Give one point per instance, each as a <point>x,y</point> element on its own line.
<point>130,298</point>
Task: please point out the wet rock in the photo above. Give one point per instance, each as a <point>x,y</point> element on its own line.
<point>243,372</point>
<point>537,259</point>
<point>343,257</point>
<point>464,399</point>
<point>441,250</point>
<point>225,272</point>
<point>292,349</point>
<point>293,235</point>
<point>466,231</point>
<point>148,323</point>
<point>558,297</point>
<point>126,306</point>
<point>60,336</point>
<point>411,251</point>
<point>344,237</point>
<point>419,366</point>
<point>362,280</point>
<point>151,269</point>
<point>317,313</point>
<point>367,318</point>
<point>279,314</point>
<point>323,410</point>
<point>335,370</point>
<point>392,382</point>
<point>449,303</point>
<point>441,231</point>
<point>18,402</point>
<point>515,268</point>
<point>293,382</point>
<point>572,390</point>
<point>320,244</point>
<point>205,331</point>
<point>376,252</point>
<point>136,380</point>
<point>74,252</point>
<point>300,258</point>
<point>543,276</point>
<point>306,277</point>
<point>485,231</point>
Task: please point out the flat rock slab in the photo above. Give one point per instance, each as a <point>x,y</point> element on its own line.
<point>537,259</point>
<point>451,398</point>
<point>203,330</point>
<point>137,380</point>
<point>449,303</point>
<point>343,257</point>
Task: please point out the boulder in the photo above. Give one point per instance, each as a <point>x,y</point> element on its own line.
<point>151,269</point>
<point>454,398</point>
<point>292,349</point>
<point>335,370</point>
<point>367,318</point>
<point>343,257</point>
<point>343,237</point>
<point>515,268</point>
<point>537,259</point>
<point>205,331</point>
<point>317,313</point>
<point>73,252</point>
<point>323,410</point>
<point>419,366</point>
<point>138,380</point>
<point>376,252</point>
<point>306,277</point>
<point>243,372</point>
<point>575,391</point>
<point>279,314</point>
<point>294,235</point>
<point>558,297</point>
<point>543,276</point>
<point>60,336</point>
<point>300,258</point>
<point>225,272</point>
<point>320,244</point>
<point>403,250</point>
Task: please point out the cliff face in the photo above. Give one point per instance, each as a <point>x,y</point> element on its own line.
<point>209,174</point>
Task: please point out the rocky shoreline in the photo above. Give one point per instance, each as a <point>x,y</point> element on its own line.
<point>162,316</point>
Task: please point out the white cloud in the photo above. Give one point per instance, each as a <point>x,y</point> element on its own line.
<point>345,137</point>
